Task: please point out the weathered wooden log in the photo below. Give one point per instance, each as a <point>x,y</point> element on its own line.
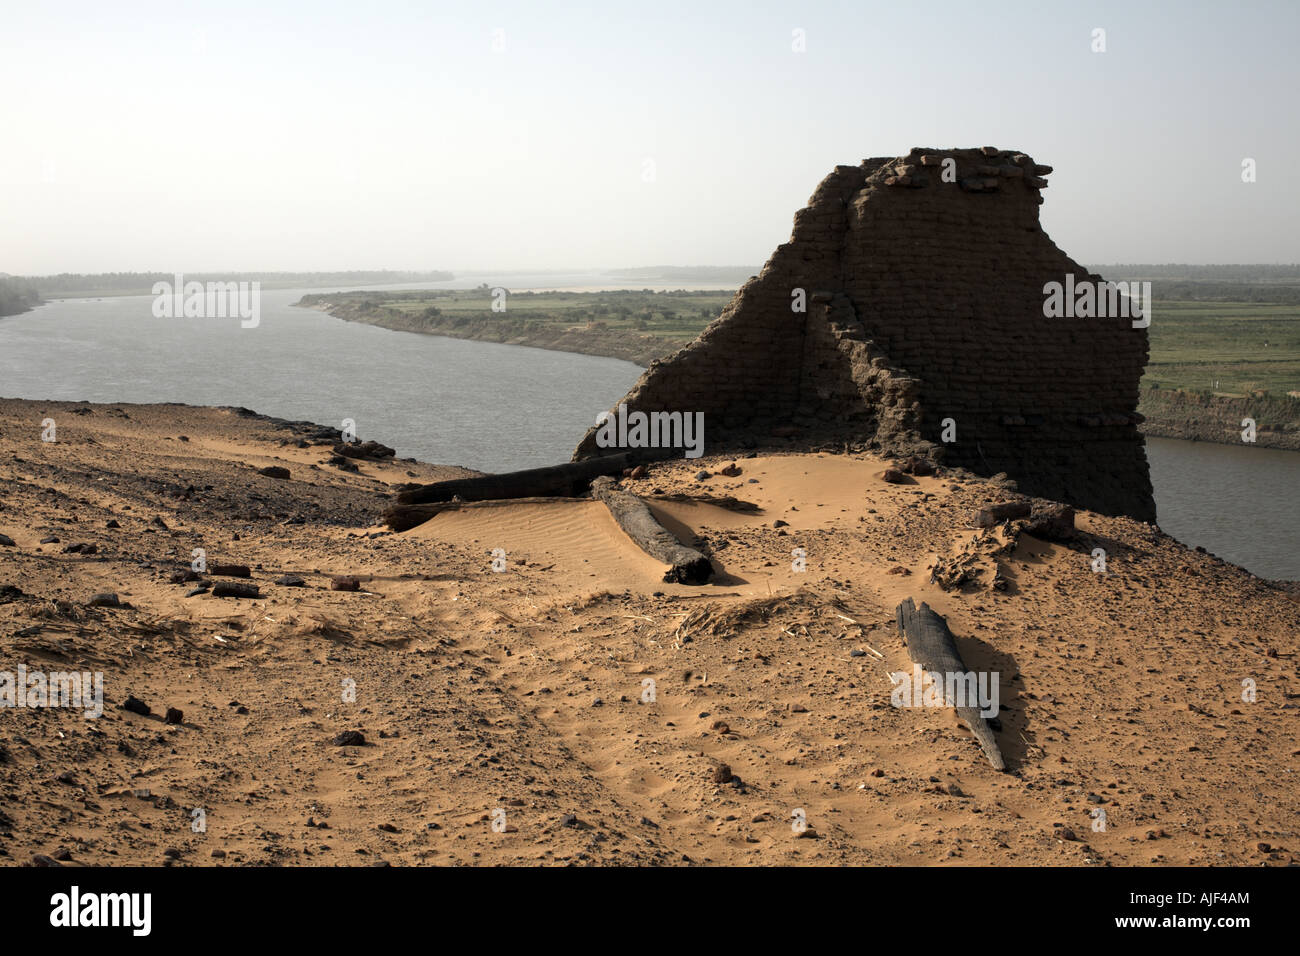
<point>237,589</point>
<point>405,517</point>
<point>566,480</point>
<point>686,565</point>
<point>720,501</point>
<point>229,570</point>
<point>930,643</point>
<point>992,514</point>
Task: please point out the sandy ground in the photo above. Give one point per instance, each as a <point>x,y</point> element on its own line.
<point>507,715</point>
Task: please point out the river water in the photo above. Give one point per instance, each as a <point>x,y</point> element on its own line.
<point>499,407</point>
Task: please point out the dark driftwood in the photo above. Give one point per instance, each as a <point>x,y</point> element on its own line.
<point>687,566</point>
<point>992,514</point>
<point>720,501</point>
<point>229,570</point>
<point>405,517</point>
<point>566,480</point>
<point>237,589</point>
<point>931,644</point>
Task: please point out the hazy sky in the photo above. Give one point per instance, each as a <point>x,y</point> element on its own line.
<point>357,135</point>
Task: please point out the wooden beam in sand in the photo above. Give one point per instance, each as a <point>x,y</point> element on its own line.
<point>405,517</point>
<point>686,565</point>
<point>931,644</point>
<point>566,480</point>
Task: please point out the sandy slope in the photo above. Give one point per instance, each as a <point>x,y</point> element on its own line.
<point>522,690</point>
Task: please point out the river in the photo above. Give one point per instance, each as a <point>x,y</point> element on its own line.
<point>499,407</point>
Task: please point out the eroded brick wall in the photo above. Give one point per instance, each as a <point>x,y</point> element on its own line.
<point>924,302</point>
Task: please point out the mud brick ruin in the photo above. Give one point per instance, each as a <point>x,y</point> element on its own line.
<point>922,290</point>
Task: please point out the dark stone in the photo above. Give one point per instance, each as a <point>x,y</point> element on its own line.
<point>229,570</point>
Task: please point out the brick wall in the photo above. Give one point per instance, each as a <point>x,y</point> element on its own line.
<point>923,301</point>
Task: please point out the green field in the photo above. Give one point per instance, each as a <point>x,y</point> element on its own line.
<point>1230,348</point>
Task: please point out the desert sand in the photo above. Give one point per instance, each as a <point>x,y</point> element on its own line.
<point>507,714</point>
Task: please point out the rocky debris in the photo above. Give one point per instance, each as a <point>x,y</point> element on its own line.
<point>183,576</point>
<point>105,599</point>
<point>895,476</point>
<point>364,450</point>
<point>10,592</point>
<point>993,514</point>
<point>195,592</point>
<point>174,716</point>
<point>731,471</point>
<point>917,465</point>
<point>350,738</point>
<point>49,539</point>
<point>1055,522</point>
<point>235,589</point>
<point>275,471</point>
<point>7,542</point>
<point>136,706</point>
<point>111,523</point>
<point>345,583</point>
<point>81,548</point>
<point>291,581</point>
<point>722,774</point>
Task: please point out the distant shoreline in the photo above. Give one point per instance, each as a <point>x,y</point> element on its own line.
<point>638,348</point>
<point>1170,413</point>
